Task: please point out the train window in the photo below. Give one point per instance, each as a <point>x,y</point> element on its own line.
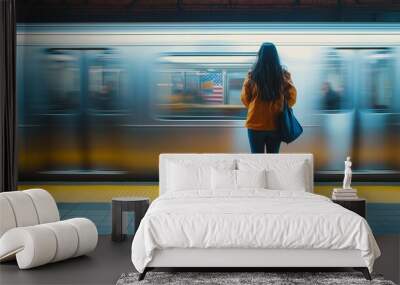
<point>200,94</point>
<point>379,80</point>
<point>104,79</point>
<point>333,91</point>
<point>63,81</point>
<point>104,88</point>
<point>235,81</point>
<point>201,87</point>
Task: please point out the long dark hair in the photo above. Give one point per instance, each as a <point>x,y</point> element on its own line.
<point>267,73</point>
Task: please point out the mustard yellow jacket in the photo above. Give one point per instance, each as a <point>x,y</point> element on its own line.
<point>261,115</point>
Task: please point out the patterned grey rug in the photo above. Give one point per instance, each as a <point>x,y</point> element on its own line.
<point>243,278</point>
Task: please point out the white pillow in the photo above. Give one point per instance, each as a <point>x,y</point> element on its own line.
<point>291,175</point>
<point>223,179</point>
<point>251,178</point>
<point>229,180</point>
<point>184,175</point>
<point>293,179</point>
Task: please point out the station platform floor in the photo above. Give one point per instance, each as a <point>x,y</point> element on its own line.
<point>383,218</point>
<point>94,202</point>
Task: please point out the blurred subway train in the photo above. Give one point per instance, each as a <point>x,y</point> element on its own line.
<point>100,102</point>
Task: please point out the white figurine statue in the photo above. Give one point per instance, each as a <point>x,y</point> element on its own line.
<point>347,174</point>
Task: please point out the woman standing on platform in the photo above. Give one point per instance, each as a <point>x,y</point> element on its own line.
<point>263,95</point>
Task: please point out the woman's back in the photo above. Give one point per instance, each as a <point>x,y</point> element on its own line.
<point>262,114</point>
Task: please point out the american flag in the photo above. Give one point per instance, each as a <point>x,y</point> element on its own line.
<point>212,89</point>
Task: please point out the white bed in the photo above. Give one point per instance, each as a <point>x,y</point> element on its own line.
<point>251,226</point>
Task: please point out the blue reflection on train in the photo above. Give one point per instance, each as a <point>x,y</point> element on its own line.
<point>100,102</point>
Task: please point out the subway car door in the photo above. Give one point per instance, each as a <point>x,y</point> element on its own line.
<point>106,113</point>
<point>361,113</point>
<point>82,91</point>
<point>336,104</point>
<point>375,139</point>
<point>61,111</point>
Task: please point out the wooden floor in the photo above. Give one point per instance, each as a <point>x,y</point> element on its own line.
<point>110,260</point>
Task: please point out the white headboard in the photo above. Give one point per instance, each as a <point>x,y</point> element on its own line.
<point>306,157</point>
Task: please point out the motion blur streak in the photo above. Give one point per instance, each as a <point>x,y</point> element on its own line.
<point>100,102</point>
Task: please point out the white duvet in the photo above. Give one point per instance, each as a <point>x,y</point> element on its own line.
<point>250,219</point>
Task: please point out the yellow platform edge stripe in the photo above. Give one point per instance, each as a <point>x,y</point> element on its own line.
<point>104,193</point>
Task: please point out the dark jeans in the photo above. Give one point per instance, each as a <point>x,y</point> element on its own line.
<point>264,141</point>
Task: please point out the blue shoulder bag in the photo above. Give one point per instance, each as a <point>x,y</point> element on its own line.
<point>290,128</point>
